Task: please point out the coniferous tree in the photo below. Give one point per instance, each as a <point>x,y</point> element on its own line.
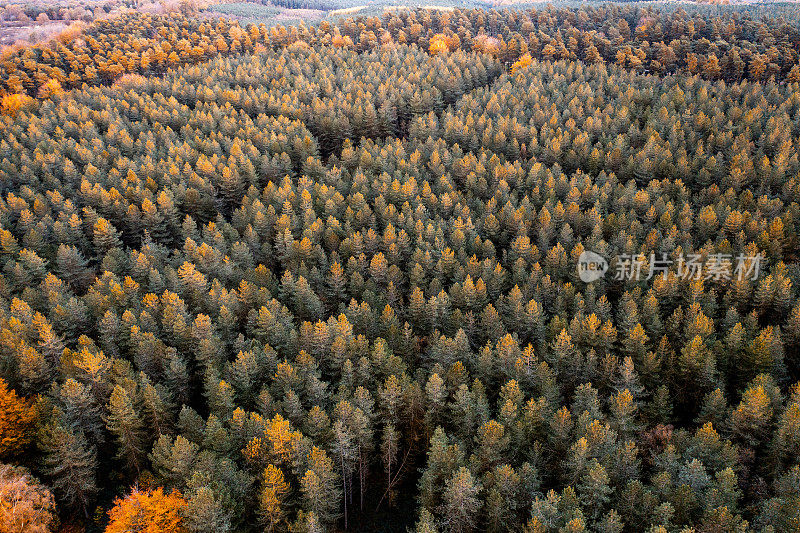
<point>461,505</point>
<point>127,427</point>
<point>71,465</point>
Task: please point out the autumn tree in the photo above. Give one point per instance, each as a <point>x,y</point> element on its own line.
<point>25,504</point>
<point>148,512</point>
<point>16,421</point>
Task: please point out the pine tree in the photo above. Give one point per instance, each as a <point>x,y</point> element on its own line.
<point>751,419</point>
<point>320,486</point>
<point>173,459</point>
<point>105,236</point>
<point>461,504</point>
<point>72,267</point>
<point>390,445</point>
<point>71,465</point>
<point>206,513</point>
<point>156,411</point>
<point>594,489</point>
<point>272,498</point>
<point>80,411</point>
<point>127,427</point>
<point>501,498</point>
<point>426,523</point>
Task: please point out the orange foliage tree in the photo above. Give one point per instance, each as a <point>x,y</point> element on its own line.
<point>16,417</point>
<point>148,512</point>
<point>49,89</point>
<point>521,63</point>
<point>10,104</point>
<point>439,44</point>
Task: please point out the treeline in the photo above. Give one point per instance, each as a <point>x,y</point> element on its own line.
<point>728,45</point>
<point>311,286</point>
<point>715,45</point>
<point>324,5</point>
<point>43,12</point>
<point>130,43</point>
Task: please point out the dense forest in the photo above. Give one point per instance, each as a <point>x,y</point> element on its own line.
<point>326,278</point>
<point>731,45</point>
<point>85,10</point>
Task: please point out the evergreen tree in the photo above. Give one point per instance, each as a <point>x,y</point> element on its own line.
<point>71,465</point>
<point>320,486</point>
<point>127,427</point>
<point>461,503</point>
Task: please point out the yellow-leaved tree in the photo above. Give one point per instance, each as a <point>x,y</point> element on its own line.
<point>439,44</point>
<point>271,498</point>
<point>521,63</point>
<point>10,104</point>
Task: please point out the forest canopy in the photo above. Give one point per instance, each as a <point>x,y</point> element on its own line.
<point>722,44</point>
<point>326,278</point>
